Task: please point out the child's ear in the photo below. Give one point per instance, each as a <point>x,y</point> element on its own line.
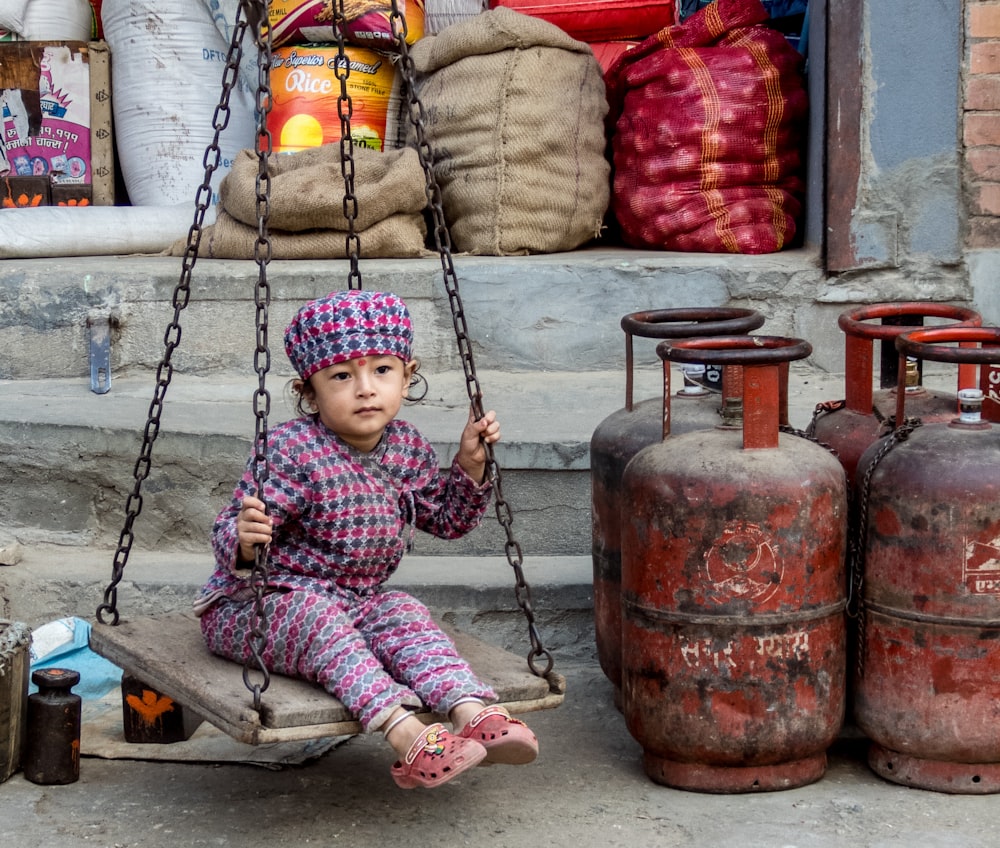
<point>305,391</point>
<point>409,369</point>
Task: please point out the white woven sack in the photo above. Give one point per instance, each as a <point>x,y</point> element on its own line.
<point>439,14</point>
<point>57,20</point>
<point>47,231</point>
<point>12,14</point>
<point>167,66</point>
<point>224,13</point>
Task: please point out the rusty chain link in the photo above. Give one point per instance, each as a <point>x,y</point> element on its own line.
<point>442,239</point>
<point>345,111</point>
<point>172,335</point>
<point>859,542</point>
<point>257,640</point>
<point>809,436</point>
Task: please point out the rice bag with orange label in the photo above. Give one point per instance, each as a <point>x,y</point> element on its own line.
<point>367,22</point>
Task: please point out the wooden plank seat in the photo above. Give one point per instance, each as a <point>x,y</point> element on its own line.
<point>167,653</point>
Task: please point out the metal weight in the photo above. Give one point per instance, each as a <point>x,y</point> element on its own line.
<point>52,749</point>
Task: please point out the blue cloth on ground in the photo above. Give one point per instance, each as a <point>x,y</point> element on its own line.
<point>65,643</point>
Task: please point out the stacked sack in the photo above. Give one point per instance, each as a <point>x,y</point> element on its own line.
<point>306,217</point>
<point>515,118</point>
<point>306,210</point>
<point>708,123</point>
<point>49,20</point>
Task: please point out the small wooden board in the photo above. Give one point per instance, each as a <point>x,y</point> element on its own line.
<point>167,652</point>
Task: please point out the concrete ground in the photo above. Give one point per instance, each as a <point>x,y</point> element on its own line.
<point>587,788</point>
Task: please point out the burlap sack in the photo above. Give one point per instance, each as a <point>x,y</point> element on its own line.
<point>307,188</point>
<point>396,237</point>
<point>306,211</point>
<point>515,119</point>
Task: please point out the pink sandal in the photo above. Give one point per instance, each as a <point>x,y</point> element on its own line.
<point>435,757</point>
<point>506,740</point>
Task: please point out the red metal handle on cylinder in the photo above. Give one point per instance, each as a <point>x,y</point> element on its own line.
<point>763,359</point>
<point>976,346</point>
<point>683,323</point>
<point>858,357</point>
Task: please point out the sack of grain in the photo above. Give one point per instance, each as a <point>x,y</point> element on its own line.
<point>515,119</point>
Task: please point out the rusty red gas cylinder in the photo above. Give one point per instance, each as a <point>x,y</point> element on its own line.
<point>851,425</point>
<point>927,683</point>
<point>624,433</point>
<point>733,629</point>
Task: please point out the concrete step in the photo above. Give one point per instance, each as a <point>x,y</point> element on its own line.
<point>70,454</point>
<point>475,594</point>
<point>68,459</point>
<point>553,312</point>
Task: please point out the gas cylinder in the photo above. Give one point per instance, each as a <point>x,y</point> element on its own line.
<point>851,425</point>
<point>927,680</point>
<point>624,433</point>
<point>733,630</point>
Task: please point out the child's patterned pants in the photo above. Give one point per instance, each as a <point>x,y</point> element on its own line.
<point>373,653</point>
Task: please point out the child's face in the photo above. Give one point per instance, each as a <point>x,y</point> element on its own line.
<point>358,398</point>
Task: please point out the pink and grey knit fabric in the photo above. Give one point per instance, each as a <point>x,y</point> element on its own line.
<point>345,325</point>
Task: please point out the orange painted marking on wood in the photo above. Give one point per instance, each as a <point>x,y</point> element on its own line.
<point>151,706</point>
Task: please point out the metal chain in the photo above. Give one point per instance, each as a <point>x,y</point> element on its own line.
<point>257,639</point>
<point>345,109</point>
<point>809,435</point>
<point>442,239</point>
<point>821,409</point>
<point>858,549</point>
<point>172,335</point>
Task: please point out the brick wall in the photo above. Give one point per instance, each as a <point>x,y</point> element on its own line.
<point>981,130</point>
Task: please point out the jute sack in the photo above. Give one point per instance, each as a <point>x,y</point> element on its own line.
<point>306,217</point>
<point>397,237</point>
<point>515,119</point>
<point>307,187</point>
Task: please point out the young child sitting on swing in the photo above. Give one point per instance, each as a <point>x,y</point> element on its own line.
<point>348,483</point>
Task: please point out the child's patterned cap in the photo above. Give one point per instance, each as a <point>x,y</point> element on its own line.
<point>345,325</point>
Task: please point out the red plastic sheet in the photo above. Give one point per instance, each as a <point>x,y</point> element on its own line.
<point>599,20</point>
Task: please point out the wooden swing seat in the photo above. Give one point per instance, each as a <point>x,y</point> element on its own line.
<point>167,653</point>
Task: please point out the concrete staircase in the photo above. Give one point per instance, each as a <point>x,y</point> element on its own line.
<point>549,355</point>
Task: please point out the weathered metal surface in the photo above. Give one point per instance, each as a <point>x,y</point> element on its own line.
<point>52,744</point>
<point>150,717</point>
<point>931,646</point>
<point>953,778</point>
<point>929,683</point>
<point>733,631</point>
<point>615,441</point>
<point>627,431</point>
<point>861,421</point>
